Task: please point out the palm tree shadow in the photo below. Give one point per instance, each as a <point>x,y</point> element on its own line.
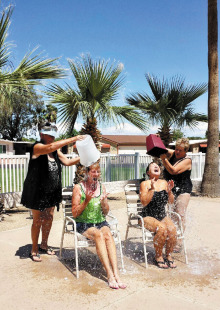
<point>24,251</point>
<point>135,252</point>
<point>88,261</point>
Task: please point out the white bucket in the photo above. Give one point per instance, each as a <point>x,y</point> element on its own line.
<point>87,150</point>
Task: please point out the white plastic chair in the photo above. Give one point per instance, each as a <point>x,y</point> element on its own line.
<point>134,206</point>
<point>80,241</point>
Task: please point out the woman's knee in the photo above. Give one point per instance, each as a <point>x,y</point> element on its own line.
<point>37,222</point>
<point>171,230</point>
<point>162,230</point>
<point>107,234</point>
<point>98,235</point>
<point>47,215</point>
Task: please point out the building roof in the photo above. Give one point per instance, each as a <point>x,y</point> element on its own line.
<point>191,142</point>
<point>125,139</point>
<point>10,141</point>
<point>205,145</point>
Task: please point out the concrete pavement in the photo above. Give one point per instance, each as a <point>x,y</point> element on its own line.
<point>52,283</point>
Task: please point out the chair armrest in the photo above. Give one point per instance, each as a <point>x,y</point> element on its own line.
<point>70,219</point>
<point>175,214</point>
<point>113,220</point>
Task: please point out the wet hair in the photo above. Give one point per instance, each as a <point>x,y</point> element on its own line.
<point>184,142</point>
<point>95,165</point>
<point>153,162</point>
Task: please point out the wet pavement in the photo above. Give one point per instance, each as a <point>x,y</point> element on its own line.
<point>52,283</point>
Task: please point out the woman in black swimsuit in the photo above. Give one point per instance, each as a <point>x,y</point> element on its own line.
<point>178,168</point>
<point>154,195</point>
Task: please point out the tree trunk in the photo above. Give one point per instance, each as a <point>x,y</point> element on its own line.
<point>210,183</point>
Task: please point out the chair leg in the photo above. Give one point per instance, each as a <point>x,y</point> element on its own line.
<point>185,253</point>
<point>121,253</point>
<point>62,237</point>
<point>145,252</point>
<point>76,256</point>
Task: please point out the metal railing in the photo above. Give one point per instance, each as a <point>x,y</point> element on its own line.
<point>13,169</point>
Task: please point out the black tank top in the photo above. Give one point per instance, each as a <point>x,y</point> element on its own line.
<point>156,207</point>
<point>182,181</point>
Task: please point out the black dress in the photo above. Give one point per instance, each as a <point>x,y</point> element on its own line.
<point>182,181</point>
<point>156,207</point>
<point>42,186</point>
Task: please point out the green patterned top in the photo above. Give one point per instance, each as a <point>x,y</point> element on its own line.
<point>93,211</point>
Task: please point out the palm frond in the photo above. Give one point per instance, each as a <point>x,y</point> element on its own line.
<point>4,46</point>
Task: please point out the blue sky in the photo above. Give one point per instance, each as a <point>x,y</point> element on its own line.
<point>160,37</point>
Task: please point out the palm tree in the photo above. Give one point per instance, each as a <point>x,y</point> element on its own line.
<point>210,183</point>
<point>170,104</point>
<point>97,85</point>
<point>31,69</point>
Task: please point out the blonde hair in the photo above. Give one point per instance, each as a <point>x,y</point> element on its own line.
<point>183,142</point>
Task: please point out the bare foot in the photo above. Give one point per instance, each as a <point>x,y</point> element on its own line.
<point>112,283</point>
<point>120,283</point>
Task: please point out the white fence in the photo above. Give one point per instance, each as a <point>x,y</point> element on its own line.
<point>13,169</point>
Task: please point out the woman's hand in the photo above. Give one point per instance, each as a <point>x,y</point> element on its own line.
<point>103,197</point>
<point>80,137</point>
<point>163,156</point>
<point>170,185</point>
<point>152,184</point>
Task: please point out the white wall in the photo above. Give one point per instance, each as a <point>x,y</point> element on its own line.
<point>9,146</point>
<point>132,149</point>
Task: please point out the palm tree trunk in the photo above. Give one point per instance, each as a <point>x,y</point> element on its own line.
<point>210,183</point>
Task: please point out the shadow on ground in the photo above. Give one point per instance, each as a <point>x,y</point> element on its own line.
<point>88,261</point>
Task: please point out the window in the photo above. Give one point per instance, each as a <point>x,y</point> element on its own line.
<point>2,149</point>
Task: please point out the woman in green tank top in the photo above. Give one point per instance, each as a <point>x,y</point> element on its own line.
<point>89,207</point>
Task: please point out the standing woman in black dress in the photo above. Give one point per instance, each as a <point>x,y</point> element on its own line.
<point>42,187</point>
<point>178,168</point>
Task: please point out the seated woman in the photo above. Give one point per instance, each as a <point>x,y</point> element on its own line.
<point>154,195</point>
<point>89,207</point>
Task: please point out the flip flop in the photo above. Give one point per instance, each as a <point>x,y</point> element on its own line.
<point>47,251</point>
<point>34,256</point>
<point>161,264</point>
<point>170,263</point>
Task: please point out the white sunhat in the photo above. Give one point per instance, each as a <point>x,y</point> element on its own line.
<point>50,130</point>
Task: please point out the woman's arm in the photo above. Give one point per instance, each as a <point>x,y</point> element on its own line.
<point>180,167</point>
<point>42,149</point>
<point>77,207</point>
<point>170,185</point>
<point>104,201</point>
<point>146,192</point>
<point>67,161</point>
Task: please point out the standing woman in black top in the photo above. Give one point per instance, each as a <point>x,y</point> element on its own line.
<point>178,168</point>
<point>42,187</point>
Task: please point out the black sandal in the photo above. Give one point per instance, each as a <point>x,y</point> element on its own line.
<point>35,255</point>
<point>161,264</point>
<point>171,262</point>
<point>46,251</point>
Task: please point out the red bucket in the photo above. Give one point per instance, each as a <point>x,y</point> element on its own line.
<point>155,146</point>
